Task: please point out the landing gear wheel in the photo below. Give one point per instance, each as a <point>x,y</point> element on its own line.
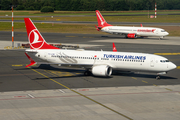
<point>87,73</point>
<point>158,77</point>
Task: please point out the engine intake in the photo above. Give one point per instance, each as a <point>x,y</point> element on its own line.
<point>102,70</point>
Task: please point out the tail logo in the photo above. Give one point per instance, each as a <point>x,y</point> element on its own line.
<point>102,22</point>
<point>35,39</point>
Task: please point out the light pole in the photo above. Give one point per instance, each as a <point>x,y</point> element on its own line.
<point>12,29</point>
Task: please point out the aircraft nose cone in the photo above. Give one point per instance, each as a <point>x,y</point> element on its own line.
<point>167,33</point>
<point>172,66</point>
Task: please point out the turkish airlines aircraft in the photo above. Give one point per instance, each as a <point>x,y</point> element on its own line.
<point>129,32</point>
<point>100,63</point>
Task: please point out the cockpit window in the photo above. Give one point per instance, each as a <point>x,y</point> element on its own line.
<point>163,61</point>
<point>163,31</point>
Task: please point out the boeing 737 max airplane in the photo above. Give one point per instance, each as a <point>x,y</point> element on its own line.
<point>99,63</point>
<point>129,32</point>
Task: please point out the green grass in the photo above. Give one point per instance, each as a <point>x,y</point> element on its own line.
<point>86,28</point>
<point>53,28</point>
<point>159,19</point>
<point>72,28</point>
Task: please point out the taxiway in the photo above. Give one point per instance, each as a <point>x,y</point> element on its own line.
<point>53,92</point>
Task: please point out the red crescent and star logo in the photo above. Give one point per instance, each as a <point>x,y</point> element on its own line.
<point>35,39</point>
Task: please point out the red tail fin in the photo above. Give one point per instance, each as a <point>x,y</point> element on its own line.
<point>114,48</point>
<point>101,21</point>
<point>36,40</point>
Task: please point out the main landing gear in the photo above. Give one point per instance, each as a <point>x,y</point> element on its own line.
<point>87,73</point>
<point>160,38</point>
<point>158,77</point>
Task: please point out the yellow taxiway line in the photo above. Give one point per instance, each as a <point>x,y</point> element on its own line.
<point>81,94</point>
<point>178,67</point>
<point>167,53</point>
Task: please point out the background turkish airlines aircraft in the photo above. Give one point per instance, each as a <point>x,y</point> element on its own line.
<point>100,63</point>
<point>129,32</point>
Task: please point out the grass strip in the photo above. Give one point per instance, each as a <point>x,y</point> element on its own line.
<point>159,19</point>
<point>72,28</point>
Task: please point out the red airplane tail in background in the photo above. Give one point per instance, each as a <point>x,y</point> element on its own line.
<point>35,38</point>
<point>114,48</point>
<point>101,21</point>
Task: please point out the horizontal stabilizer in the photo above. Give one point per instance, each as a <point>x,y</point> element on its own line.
<point>98,28</point>
<point>31,60</point>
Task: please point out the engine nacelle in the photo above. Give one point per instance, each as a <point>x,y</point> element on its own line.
<point>131,35</point>
<point>102,70</point>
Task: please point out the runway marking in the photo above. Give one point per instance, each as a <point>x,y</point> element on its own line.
<point>71,36</point>
<point>20,96</point>
<point>61,91</point>
<point>155,85</point>
<point>82,94</point>
<point>17,65</point>
<point>168,89</point>
<point>32,65</point>
<point>83,90</point>
<point>31,96</point>
<point>178,67</point>
<point>144,81</point>
<point>59,74</point>
<point>134,78</point>
<point>23,97</point>
<point>167,53</point>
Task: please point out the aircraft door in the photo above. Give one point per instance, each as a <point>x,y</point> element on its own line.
<point>152,62</point>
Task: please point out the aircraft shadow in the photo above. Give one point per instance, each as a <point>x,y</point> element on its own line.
<point>142,75</point>
<point>81,73</point>
<point>122,37</point>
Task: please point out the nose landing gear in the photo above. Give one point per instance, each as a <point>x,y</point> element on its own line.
<point>158,75</point>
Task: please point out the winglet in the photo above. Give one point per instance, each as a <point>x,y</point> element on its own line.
<point>141,25</point>
<point>114,48</point>
<point>31,60</point>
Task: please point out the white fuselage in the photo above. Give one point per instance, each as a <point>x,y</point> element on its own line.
<point>116,60</point>
<point>139,31</point>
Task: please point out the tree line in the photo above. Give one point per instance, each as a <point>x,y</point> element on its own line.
<point>91,5</point>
